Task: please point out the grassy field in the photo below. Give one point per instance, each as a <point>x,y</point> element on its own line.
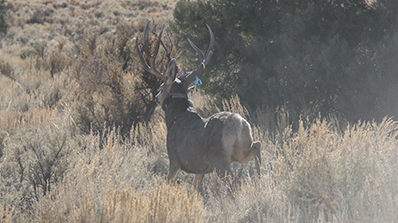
<point>60,162</point>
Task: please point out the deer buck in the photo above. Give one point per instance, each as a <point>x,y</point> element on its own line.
<point>195,144</point>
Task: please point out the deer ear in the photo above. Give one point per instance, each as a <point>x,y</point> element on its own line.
<point>171,72</point>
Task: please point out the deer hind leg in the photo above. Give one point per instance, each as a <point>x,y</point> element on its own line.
<point>198,180</point>
<point>173,170</point>
<point>245,155</point>
<point>256,151</point>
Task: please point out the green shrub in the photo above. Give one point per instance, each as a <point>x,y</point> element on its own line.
<point>308,56</point>
<point>3,24</point>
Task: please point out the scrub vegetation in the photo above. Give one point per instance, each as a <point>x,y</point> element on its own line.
<point>75,144</point>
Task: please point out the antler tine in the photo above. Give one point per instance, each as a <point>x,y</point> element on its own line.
<point>209,51</point>
<point>190,77</point>
<point>146,66</point>
<point>211,44</point>
<point>146,40</point>
<point>157,45</point>
<point>151,68</point>
<point>201,54</point>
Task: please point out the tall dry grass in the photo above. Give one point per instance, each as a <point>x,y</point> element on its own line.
<point>320,173</point>
<point>114,183</point>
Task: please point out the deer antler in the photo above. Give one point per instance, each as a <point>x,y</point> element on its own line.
<point>204,59</point>
<point>151,58</point>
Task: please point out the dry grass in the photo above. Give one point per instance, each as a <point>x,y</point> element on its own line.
<point>114,184</point>
<point>160,203</point>
<point>54,170</point>
<point>318,173</point>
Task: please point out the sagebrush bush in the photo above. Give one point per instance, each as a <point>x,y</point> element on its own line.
<point>324,170</point>
<point>114,90</point>
<point>112,182</point>
<point>36,156</point>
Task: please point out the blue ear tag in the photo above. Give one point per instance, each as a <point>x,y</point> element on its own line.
<point>197,81</point>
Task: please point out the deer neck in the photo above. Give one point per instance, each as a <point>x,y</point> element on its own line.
<point>177,108</point>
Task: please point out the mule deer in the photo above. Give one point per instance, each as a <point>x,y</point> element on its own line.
<point>195,144</point>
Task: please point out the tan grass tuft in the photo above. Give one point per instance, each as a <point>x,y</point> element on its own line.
<point>163,203</point>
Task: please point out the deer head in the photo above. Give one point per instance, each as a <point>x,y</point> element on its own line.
<point>174,84</point>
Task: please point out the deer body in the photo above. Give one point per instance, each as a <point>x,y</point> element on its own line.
<point>195,144</point>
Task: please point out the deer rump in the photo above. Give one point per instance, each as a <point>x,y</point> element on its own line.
<point>211,144</point>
